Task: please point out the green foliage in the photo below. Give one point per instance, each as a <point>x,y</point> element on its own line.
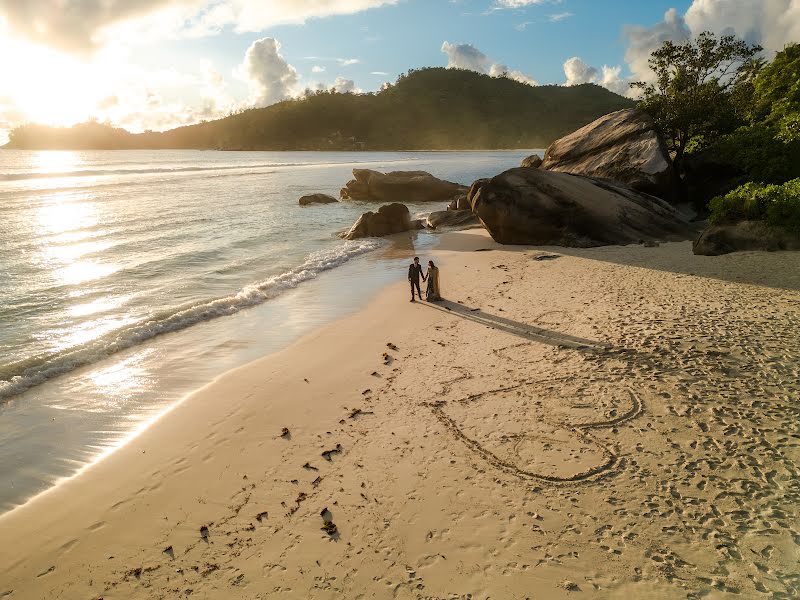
<point>778,205</point>
<point>693,94</point>
<point>431,109</point>
<point>758,154</point>
<point>765,145</point>
<point>777,93</point>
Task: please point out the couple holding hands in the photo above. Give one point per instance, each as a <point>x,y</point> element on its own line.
<point>432,293</point>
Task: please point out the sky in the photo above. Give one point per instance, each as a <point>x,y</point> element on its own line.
<point>157,64</point>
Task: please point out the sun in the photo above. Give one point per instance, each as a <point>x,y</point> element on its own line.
<point>50,88</point>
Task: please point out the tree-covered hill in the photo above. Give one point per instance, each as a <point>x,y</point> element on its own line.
<point>433,108</point>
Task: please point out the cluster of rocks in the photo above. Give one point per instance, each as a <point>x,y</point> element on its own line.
<point>390,218</point>
<point>399,186</point>
<point>607,183</point>
<point>610,182</point>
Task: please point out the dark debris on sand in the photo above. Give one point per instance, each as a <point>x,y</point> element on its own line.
<point>327,454</point>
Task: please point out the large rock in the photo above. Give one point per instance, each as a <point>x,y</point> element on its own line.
<point>532,206</point>
<point>390,218</point>
<point>746,235</point>
<point>452,218</point>
<point>460,203</point>
<point>534,161</point>
<point>399,186</point>
<point>622,146</point>
<point>316,199</point>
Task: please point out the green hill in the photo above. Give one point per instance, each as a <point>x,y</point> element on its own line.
<point>427,109</point>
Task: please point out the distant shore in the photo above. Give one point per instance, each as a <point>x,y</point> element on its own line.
<point>566,420</point>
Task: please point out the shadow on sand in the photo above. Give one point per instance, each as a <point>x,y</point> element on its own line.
<point>523,330</point>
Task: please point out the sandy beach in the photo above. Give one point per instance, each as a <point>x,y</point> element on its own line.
<point>616,422</point>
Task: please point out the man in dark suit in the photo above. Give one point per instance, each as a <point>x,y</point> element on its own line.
<point>414,274</point>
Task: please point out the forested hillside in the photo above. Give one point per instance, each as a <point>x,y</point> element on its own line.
<point>433,108</point>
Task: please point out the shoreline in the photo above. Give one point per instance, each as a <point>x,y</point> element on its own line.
<point>173,391</point>
<point>453,467</point>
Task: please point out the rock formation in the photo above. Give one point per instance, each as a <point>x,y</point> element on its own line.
<point>745,235</point>
<point>534,206</point>
<point>390,218</point>
<point>316,199</point>
<point>460,203</point>
<point>452,218</point>
<point>399,186</point>
<point>534,161</point>
<point>622,146</point>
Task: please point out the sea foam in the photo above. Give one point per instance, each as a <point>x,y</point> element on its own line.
<point>19,376</point>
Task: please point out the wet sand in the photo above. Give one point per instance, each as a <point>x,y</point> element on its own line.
<point>610,423</point>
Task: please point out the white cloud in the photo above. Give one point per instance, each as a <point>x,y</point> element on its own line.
<point>497,70</point>
<point>560,17</point>
<point>81,26</point>
<point>611,79</point>
<point>346,62</point>
<point>578,72</point>
<point>642,41</point>
<point>317,69</point>
<point>345,86</point>
<point>467,56</point>
<point>770,23</point>
<point>380,73</point>
<point>519,3</point>
<point>77,25</point>
<point>270,78</point>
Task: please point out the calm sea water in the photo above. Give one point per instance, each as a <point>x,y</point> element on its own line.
<point>130,278</point>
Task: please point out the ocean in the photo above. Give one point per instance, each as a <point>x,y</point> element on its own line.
<point>132,278</point>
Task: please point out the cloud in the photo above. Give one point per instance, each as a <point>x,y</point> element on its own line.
<point>467,56</point>
<point>560,17</point>
<point>380,73</point>
<point>75,25</point>
<point>497,70</point>
<point>346,62</point>
<point>81,26</point>
<point>345,86</point>
<point>578,72</point>
<point>642,41</point>
<point>270,78</point>
<point>317,69</point>
<point>612,80</point>
<point>769,23</point>
<point>519,3</point>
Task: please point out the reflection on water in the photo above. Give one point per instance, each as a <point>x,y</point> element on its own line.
<point>85,332</point>
<point>81,271</point>
<point>66,211</point>
<point>57,161</point>
<point>118,383</point>
<point>104,304</point>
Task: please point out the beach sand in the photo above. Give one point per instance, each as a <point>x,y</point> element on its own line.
<point>617,422</point>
